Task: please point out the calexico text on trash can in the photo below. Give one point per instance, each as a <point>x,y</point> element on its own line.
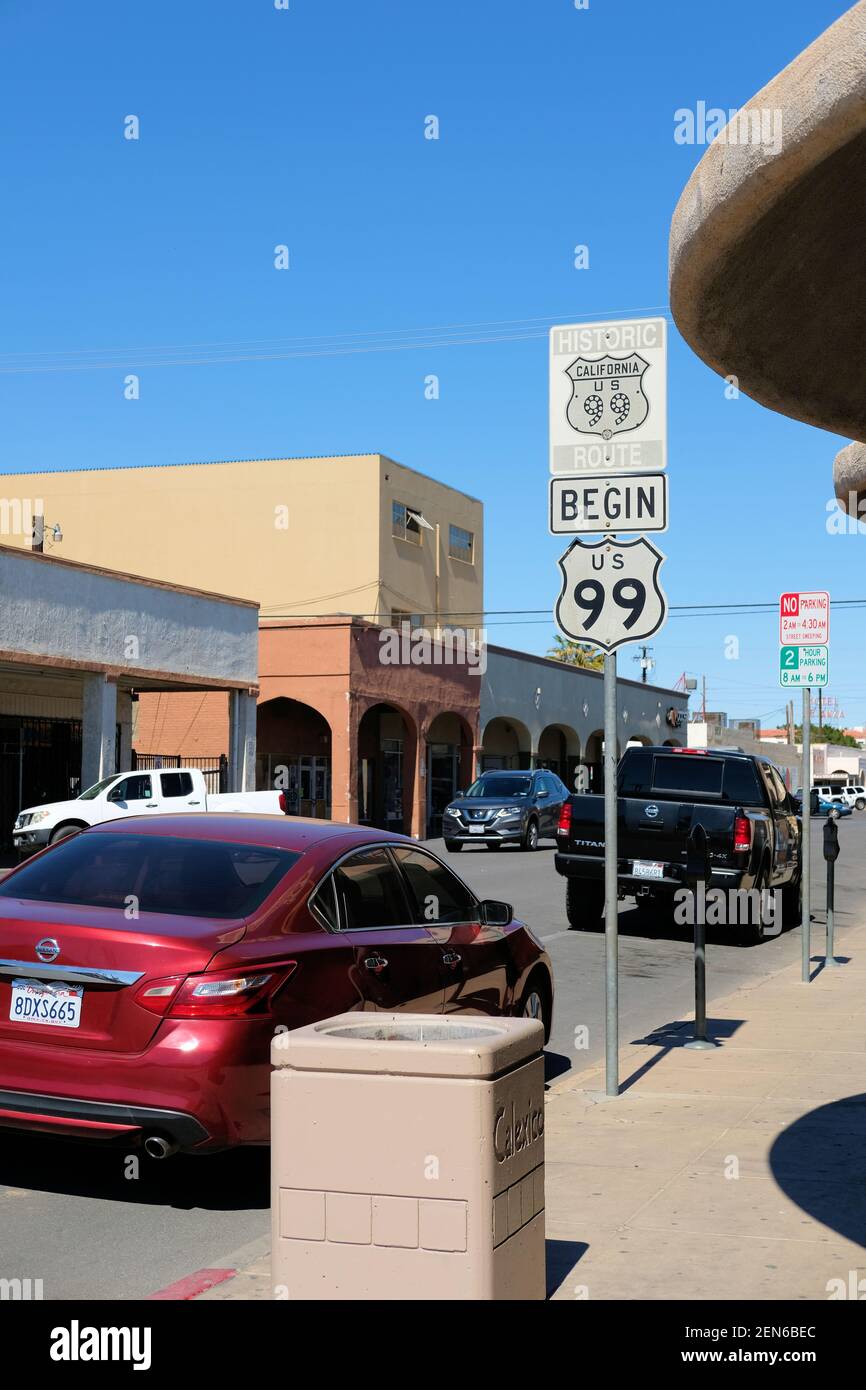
<point>407,1158</point>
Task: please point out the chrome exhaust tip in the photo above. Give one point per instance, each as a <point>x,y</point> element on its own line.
<point>157,1147</point>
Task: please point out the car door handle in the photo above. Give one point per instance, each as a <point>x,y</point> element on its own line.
<point>151,803</point>
<point>375,964</point>
<point>193,803</point>
<point>452,959</point>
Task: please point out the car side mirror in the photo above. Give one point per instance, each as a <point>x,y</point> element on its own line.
<point>495,914</point>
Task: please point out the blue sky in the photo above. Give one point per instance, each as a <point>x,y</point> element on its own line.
<point>306,127</point>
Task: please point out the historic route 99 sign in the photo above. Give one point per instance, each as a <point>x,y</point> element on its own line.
<point>611,592</point>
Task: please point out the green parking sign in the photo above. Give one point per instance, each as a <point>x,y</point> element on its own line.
<point>803,666</point>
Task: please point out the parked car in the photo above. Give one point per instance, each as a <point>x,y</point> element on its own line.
<point>836,808</point>
<point>750,820</point>
<point>131,794</point>
<point>502,808</point>
<point>146,964</point>
<point>837,791</point>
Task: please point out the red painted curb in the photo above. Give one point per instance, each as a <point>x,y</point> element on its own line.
<point>192,1285</point>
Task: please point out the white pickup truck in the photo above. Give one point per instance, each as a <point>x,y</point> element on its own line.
<point>153,793</point>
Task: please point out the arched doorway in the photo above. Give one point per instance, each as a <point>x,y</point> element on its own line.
<point>559,750</point>
<point>505,743</point>
<point>591,770</point>
<point>293,754</point>
<point>387,742</point>
<point>449,765</point>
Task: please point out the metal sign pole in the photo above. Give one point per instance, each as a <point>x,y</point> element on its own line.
<point>611,887</point>
<point>805,850</point>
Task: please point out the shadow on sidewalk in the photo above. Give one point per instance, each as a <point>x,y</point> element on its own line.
<point>561,1256</point>
<point>671,1037</point>
<point>819,1162</point>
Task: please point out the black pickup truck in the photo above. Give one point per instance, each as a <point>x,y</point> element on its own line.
<point>750,820</point>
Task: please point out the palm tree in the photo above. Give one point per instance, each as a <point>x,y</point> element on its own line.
<point>576,653</point>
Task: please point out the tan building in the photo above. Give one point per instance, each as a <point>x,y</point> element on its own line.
<point>356,534</point>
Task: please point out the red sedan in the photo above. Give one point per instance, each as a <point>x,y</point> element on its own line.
<point>145,966</point>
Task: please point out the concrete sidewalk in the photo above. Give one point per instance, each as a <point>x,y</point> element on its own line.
<point>731,1174</point>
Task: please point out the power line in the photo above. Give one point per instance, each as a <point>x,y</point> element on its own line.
<point>688,610</point>
<point>333,345</point>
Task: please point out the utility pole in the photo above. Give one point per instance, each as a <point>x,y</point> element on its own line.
<point>646,662</point>
<point>704,698</point>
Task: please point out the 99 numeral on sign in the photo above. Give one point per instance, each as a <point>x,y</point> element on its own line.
<point>628,594</point>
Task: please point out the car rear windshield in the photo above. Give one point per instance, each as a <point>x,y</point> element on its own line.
<point>688,774</point>
<point>152,873</point>
<point>500,786</point>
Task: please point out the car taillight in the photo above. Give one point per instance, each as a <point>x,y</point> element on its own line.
<point>742,834</point>
<point>564,827</point>
<point>284,805</point>
<point>218,994</point>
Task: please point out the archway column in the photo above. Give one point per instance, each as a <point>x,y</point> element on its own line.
<point>344,761</point>
<point>415,755</point>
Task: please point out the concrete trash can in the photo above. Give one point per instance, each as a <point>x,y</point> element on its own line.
<point>407,1158</point>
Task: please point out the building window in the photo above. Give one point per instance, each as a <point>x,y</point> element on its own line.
<point>460,544</point>
<point>404,523</point>
<point>402,615</point>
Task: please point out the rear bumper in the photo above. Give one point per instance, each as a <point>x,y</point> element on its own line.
<point>592,867</point>
<point>204,1084</point>
<point>73,1118</point>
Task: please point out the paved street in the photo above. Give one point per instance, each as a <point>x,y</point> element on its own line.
<point>70,1216</point>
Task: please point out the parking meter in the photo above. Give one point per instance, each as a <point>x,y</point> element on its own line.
<point>831,839</point>
<point>697,857</point>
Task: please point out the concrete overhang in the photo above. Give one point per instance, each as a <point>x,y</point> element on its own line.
<point>767,271</point>
<point>60,618</point>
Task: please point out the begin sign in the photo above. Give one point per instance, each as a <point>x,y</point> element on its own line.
<point>585,503</point>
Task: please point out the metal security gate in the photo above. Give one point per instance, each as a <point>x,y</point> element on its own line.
<point>213,769</point>
<point>40,761</point>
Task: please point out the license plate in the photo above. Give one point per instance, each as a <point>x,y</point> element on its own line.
<point>54,1006</point>
<point>477,829</point>
<point>644,868</point>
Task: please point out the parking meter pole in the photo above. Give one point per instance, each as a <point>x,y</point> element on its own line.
<point>611,884</point>
<point>806,945</point>
<point>831,854</point>
<point>831,884</point>
<point>698,871</point>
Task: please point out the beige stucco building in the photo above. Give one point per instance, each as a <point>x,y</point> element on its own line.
<point>355,534</point>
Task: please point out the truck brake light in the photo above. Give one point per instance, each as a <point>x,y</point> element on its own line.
<point>742,835</point>
<point>564,827</point>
